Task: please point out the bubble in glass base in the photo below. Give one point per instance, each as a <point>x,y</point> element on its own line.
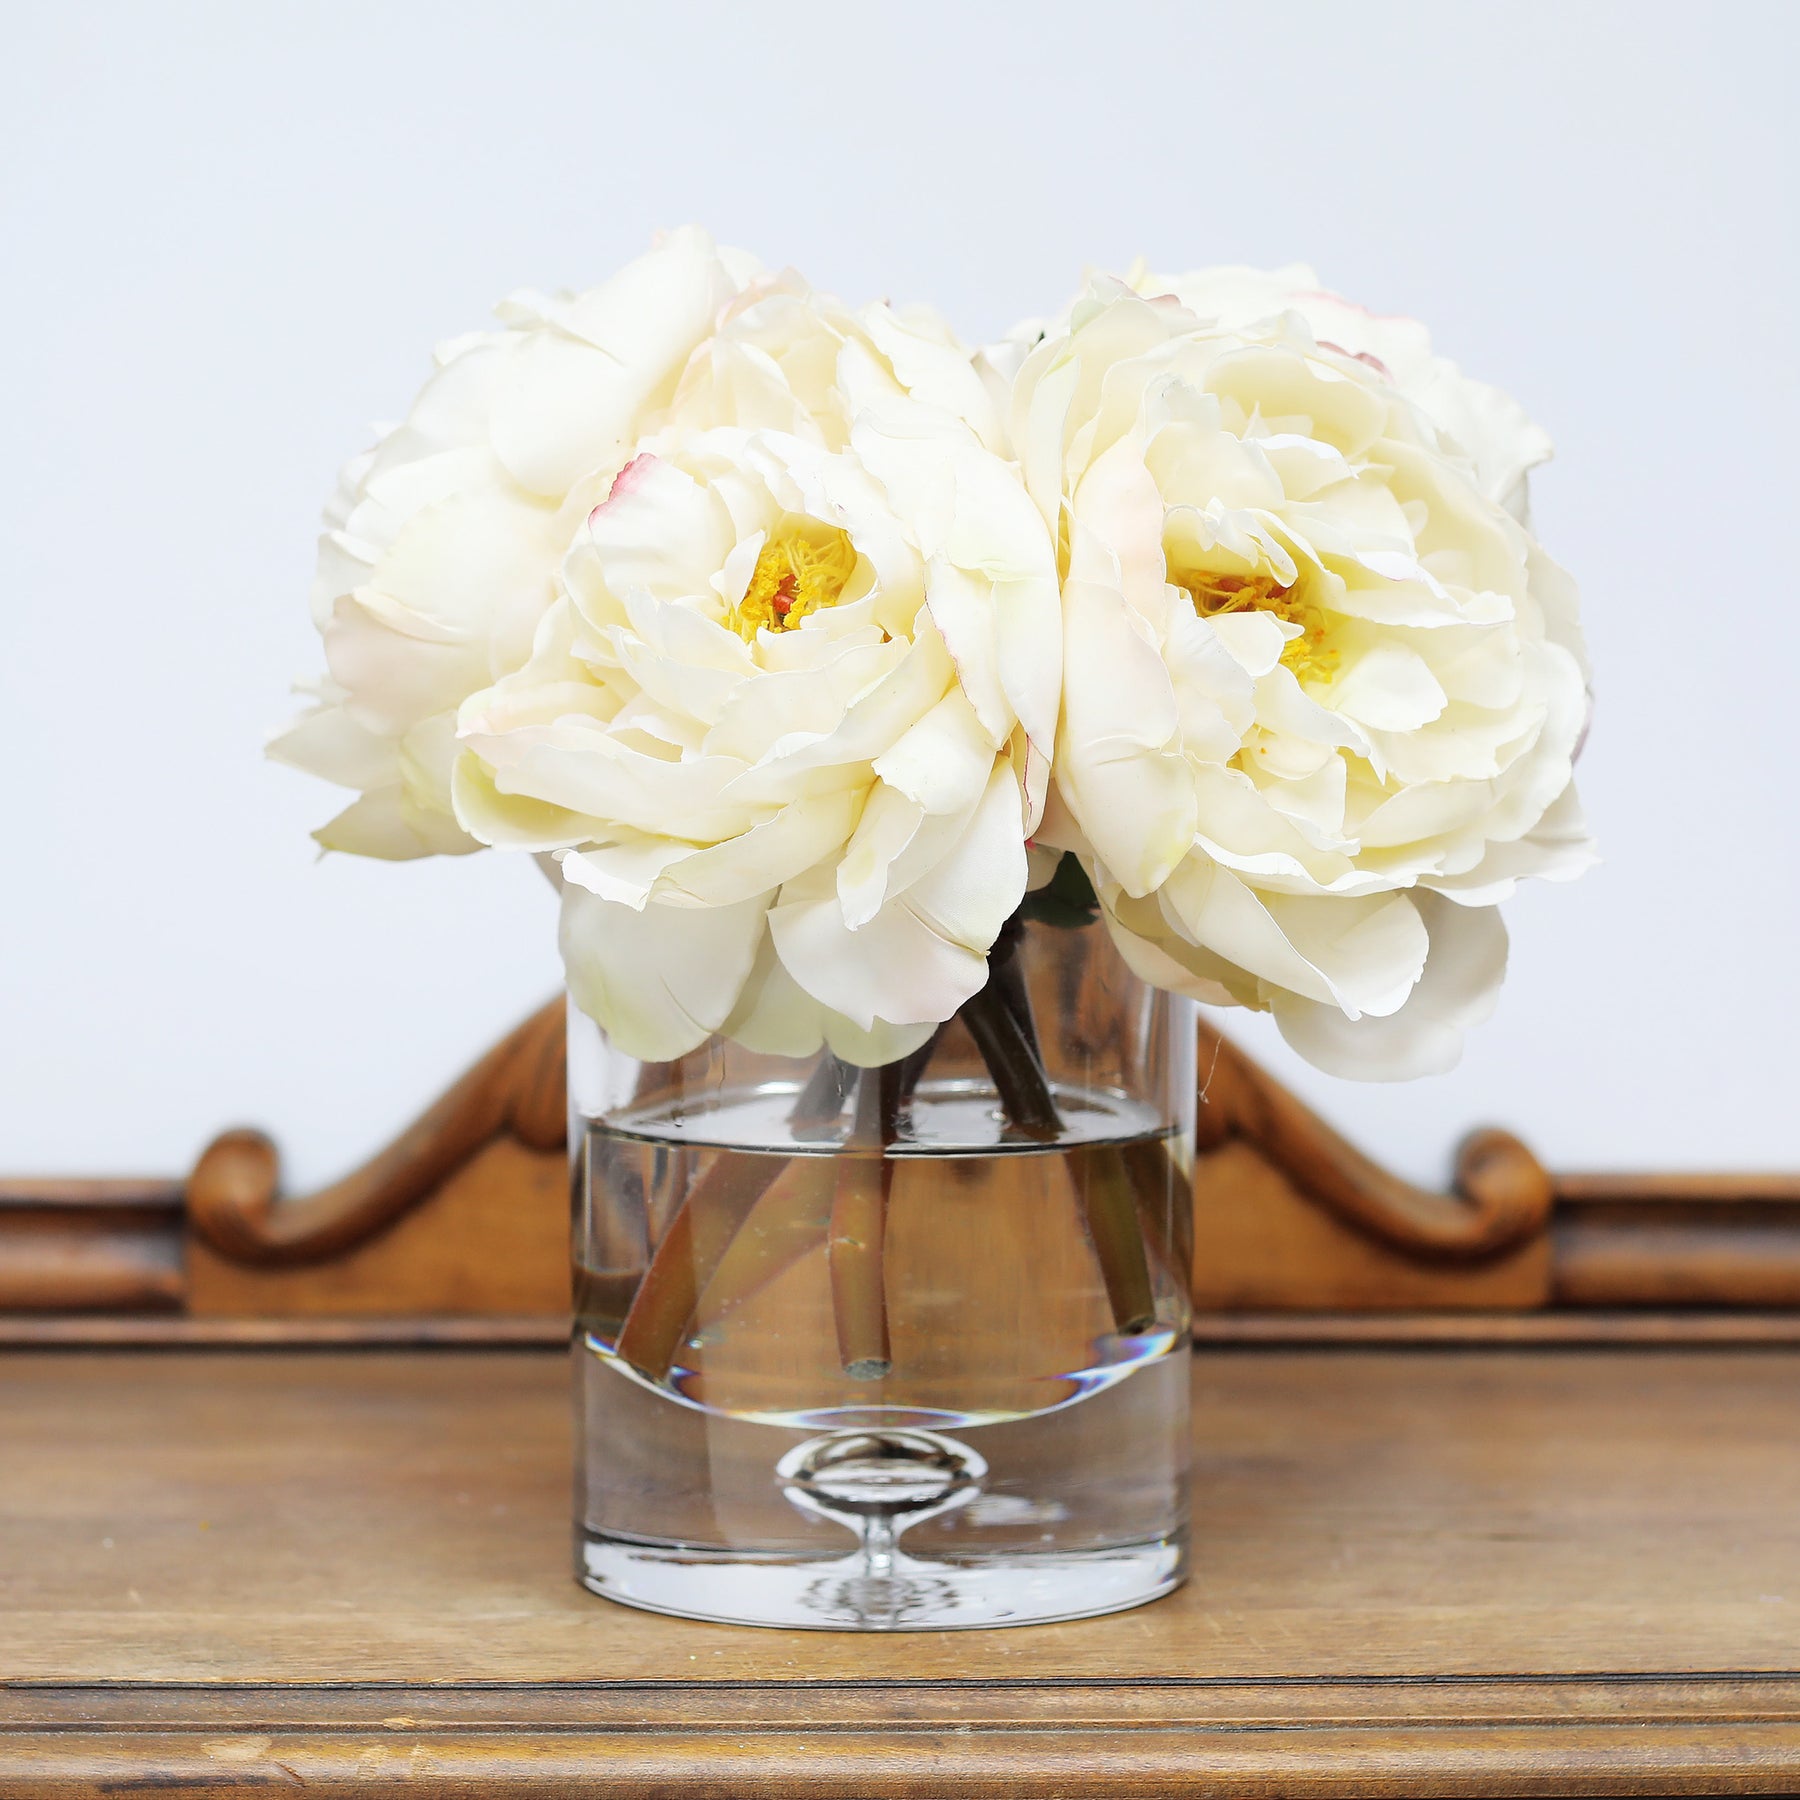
<point>915,1595</point>
<point>888,1527</point>
<point>876,1484</point>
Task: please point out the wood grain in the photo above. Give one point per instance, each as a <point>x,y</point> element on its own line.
<point>1561,1328</point>
<point>1416,1574</point>
<point>1557,1328</point>
<point>278,1518</point>
<point>1153,1741</point>
<point>359,1331</point>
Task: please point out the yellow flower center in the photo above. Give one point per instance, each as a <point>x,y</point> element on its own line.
<point>803,567</point>
<point>1311,656</point>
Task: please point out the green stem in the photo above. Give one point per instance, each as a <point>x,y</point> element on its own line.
<point>912,1071</point>
<point>1104,1183</point>
<point>1006,972</point>
<point>1110,1207</point>
<point>1012,1060</point>
<point>1165,1206</point>
<point>820,1104</point>
<point>856,1242</point>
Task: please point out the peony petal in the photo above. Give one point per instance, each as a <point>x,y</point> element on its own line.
<point>512,821</point>
<point>393,669</point>
<point>888,827</point>
<point>1117,501</point>
<point>1141,934</point>
<point>570,397</point>
<point>812,830</point>
<point>930,364</point>
<point>779,706</point>
<point>385,823</point>
<point>779,1018</point>
<point>1358,953</point>
<point>658,530</point>
<point>1558,848</point>
<point>924,952</point>
<point>1121,770</point>
<point>659,981</point>
<point>962,612</point>
<point>970,893</point>
<point>1388,687</point>
<point>1458,990</point>
<point>1253,640</point>
<point>1371,948</point>
<point>944,761</point>
<point>477,565</point>
<point>325,741</point>
<point>893,967</point>
<point>625,874</point>
<point>578,764</point>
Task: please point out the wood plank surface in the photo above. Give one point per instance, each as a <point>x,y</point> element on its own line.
<point>1566,1328</point>
<point>1430,1572</point>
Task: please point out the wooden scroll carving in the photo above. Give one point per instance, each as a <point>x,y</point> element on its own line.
<point>464,1217</point>
<point>1502,1195</point>
<point>233,1195</point>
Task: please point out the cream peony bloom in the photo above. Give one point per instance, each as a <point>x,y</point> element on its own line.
<point>787,726</point>
<point>442,545</point>
<point>1323,689</point>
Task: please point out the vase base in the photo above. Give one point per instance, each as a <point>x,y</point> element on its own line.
<point>911,1594</point>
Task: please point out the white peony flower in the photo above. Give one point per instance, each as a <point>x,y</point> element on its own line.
<point>1323,690</point>
<point>1487,430</point>
<point>442,545</point>
<point>785,358</point>
<point>788,722</point>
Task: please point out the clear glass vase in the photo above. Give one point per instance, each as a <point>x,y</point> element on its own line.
<point>892,1349</point>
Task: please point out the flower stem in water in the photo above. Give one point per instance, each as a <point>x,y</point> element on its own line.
<point>1110,1206</point>
<point>1012,1060</point>
<point>856,1241</point>
<point>782,1228</point>
<point>689,1255</point>
<point>820,1104</point>
<point>1167,1222</point>
<point>999,1019</point>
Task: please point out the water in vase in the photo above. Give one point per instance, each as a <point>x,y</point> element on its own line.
<point>934,1381</point>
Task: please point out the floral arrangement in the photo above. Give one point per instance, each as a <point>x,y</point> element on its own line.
<point>812,646</point>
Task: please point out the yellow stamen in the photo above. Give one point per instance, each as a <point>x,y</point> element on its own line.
<point>1310,656</point>
<point>803,567</point>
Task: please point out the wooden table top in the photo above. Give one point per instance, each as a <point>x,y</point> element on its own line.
<point>1422,1572</point>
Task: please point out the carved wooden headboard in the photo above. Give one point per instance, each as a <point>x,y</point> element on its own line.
<point>458,1230</point>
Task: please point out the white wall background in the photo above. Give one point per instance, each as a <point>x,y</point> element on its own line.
<point>231,232</point>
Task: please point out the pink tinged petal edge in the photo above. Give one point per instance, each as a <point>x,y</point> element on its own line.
<point>629,478</point>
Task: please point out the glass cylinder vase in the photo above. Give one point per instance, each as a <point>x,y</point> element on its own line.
<point>897,1348</point>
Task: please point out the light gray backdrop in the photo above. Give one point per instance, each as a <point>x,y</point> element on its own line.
<point>232,232</point>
